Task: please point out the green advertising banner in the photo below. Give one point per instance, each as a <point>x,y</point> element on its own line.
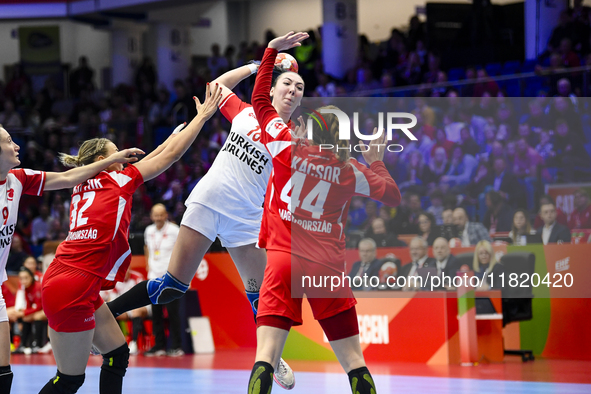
<point>40,49</point>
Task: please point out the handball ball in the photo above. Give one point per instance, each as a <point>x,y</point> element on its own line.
<point>286,62</point>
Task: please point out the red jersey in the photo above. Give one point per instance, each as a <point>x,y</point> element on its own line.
<point>100,212</point>
<point>580,218</point>
<point>310,190</point>
<point>33,298</point>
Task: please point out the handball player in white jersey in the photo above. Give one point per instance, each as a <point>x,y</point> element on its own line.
<point>227,203</point>
<point>13,184</point>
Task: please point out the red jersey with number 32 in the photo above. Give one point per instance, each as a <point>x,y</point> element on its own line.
<point>17,183</point>
<point>310,189</point>
<point>100,213</point>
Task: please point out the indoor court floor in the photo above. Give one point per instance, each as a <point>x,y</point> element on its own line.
<point>227,371</point>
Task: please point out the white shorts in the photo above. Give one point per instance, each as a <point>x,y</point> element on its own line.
<point>3,314</point>
<point>212,224</point>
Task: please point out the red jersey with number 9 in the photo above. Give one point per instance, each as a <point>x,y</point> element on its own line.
<point>17,183</point>
<point>100,213</point>
<point>310,189</point>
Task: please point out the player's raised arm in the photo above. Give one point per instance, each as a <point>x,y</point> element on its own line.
<point>156,165</point>
<point>230,79</point>
<point>75,176</point>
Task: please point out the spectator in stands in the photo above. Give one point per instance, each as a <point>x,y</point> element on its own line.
<point>16,256</point>
<point>381,237</point>
<point>441,141</point>
<point>428,229</point>
<point>569,57</point>
<point>406,220</point>
<point>436,208</point>
<point>31,315</point>
<point>470,232</point>
<point>146,73</point>
<point>445,262</point>
<point>418,175</point>
<point>438,164</point>
<point>570,152</point>
<point>551,231</point>
<point>461,168</point>
<point>184,106</point>
<point>563,30</point>
<point>505,183</point>
<point>368,263</point>
<point>325,88</point>
<point>499,216</point>
<point>420,259</point>
<point>521,227</point>
<point>40,226</point>
<point>546,148</point>
<point>447,216</point>
<point>9,118</point>
<point>81,78</point>
<point>526,132</point>
<point>485,265</point>
<point>581,216</point>
<point>32,265</point>
<point>527,160</point>
<point>216,63</point>
<point>482,87</point>
<point>560,215</point>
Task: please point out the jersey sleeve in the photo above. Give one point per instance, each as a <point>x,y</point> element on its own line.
<point>276,135</point>
<point>129,179</point>
<point>376,183</point>
<point>232,106</point>
<point>33,181</point>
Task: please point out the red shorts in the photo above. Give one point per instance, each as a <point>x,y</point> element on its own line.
<point>70,298</point>
<point>276,292</point>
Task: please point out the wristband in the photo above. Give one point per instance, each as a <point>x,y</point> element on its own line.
<point>253,68</point>
<point>179,128</point>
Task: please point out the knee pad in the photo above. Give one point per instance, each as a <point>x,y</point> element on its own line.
<point>361,381</point>
<point>117,360</point>
<point>166,289</point>
<point>253,298</point>
<point>66,384</point>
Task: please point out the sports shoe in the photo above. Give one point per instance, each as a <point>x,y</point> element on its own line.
<point>28,351</point>
<point>94,350</point>
<point>155,352</point>
<point>283,375</point>
<point>46,348</point>
<point>175,353</point>
<point>133,347</point>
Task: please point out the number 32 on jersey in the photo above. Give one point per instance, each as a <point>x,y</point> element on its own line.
<point>77,216</point>
<point>313,202</point>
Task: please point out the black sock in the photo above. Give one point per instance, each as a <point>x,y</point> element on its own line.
<point>135,298</point>
<point>39,340</point>
<point>26,335</point>
<point>5,379</point>
<point>138,327</point>
<point>361,381</point>
<point>261,378</point>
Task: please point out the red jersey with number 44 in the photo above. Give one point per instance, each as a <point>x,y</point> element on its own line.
<point>310,190</point>
<point>100,213</point>
<point>17,183</point>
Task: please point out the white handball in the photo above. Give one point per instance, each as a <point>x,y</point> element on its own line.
<point>286,62</point>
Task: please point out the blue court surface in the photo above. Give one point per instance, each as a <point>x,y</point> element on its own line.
<point>30,379</point>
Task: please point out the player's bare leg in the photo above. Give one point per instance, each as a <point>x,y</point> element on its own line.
<point>71,351</point>
<point>270,343</point>
<point>250,262</point>
<point>188,251</point>
<point>5,371</point>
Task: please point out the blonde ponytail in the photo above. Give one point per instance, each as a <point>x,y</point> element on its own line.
<point>87,154</point>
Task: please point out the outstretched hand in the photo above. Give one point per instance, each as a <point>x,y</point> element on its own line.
<point>376,148</point>
<point>213,96</point>
<point>126,155</point>
<point>300,131</point>
<point>288,41</point>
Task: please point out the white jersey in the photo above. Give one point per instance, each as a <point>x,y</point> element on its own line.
<point>160,244</point>
<point>236,183</point>
<point>17,183</point>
